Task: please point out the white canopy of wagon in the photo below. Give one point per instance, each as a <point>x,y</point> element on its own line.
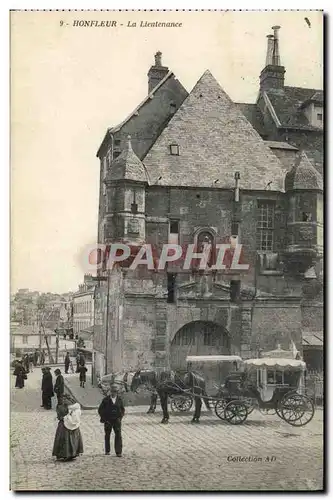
<point>214,358</point>
<point>276,363</point>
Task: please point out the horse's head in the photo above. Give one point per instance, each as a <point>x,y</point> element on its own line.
<point>136,381</point>
<point>145,378</point>
<point>106,381</point>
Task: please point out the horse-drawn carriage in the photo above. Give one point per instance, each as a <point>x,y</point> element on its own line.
<point>273,386</point>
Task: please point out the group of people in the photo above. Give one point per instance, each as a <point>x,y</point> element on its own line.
<point>80,367</point>
<point>48,390</point>
<point>25,366</point>
<point>68,443</point>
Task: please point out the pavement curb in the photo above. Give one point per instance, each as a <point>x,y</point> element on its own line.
<point>83,406</point>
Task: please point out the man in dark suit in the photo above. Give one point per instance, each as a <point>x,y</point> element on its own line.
<point>59,386</point>
<point>47,388</point>
<point>111,411</point>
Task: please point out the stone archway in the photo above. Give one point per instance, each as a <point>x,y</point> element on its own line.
<point>200,338</point>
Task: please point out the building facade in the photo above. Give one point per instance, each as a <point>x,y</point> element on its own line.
<point>83,306</point>
<point>192,168</point>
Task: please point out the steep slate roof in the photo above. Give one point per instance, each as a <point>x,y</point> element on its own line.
<point>254,115</point>
<point>115,129</point>
<point>127,166</point>
<point>215,141</point>
<point>137,109</point>
<point>303,175</point>
<point>287,104</point>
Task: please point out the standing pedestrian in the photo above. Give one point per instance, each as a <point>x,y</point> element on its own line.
<point>59,386</point>
<point>21,375</point>
<point>47,388</point>
<point>31,364</point>
<point>82,371</point>
<point>67,362</point>
<point>68,440</point>
<point>77,363</point>
<point>36,356</point>
<point>82,360</point>
<point>111,412</point>
<point>42,357</point>
<point>26,363</point>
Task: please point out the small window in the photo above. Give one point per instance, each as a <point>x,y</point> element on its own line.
<point>134,208</point>
<point>306,217</point>
<point>174,149</point>
<point>171,288</point>
<point>117,142</point>
<point>234,290</point>
<point>116,154</point>
<point>319,116</point>
<point>234,229</point>
<point>265,225</point>
<point>25,339</point>
<point>174,226</point>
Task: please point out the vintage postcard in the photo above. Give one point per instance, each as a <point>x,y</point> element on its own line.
<point>166,329</point>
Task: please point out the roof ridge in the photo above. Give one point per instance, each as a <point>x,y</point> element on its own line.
<point>118,127</point>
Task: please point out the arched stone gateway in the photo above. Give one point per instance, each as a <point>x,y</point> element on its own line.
<point>200,338</point>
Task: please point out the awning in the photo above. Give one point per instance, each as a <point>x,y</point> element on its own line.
<point>287,363</point>
<point>214,358</point>
<point>315,339</point>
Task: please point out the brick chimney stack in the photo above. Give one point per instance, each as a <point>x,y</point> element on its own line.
<point>272,76</point>
<point>156,72</point>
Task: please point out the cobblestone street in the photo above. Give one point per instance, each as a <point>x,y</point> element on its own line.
<point>178,456</point>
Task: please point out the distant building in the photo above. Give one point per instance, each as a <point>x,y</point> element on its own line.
<point>198,167</point>
<point>83,306</point>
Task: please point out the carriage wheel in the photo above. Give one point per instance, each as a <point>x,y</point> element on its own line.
<point>296,409</point>
<point>267,411</point>
<point>219,408</point>
<point>235,412</point>
<point>181,403</point>
<point>278,412</point>
<point>250,404</point>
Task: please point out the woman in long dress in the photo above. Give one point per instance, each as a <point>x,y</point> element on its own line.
<point>20,375</point>
<point>68,440</point>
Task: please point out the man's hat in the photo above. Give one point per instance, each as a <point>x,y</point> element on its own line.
<point>57,371</point>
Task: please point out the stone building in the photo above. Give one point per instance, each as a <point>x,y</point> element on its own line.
<point>189,168</point>
<point>83,306</point>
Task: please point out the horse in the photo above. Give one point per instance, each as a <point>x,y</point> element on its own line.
<point>167,383</point>
<point>161,384</point>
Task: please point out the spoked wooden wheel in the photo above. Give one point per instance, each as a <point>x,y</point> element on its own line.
<point>278,412</point>
<point>296,409</point>
<point>250,404</point>
<point>181,403</point>
<point>235,412</point>
<point>220,407</point>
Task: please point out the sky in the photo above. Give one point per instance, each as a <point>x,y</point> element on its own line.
<point>69,84</point>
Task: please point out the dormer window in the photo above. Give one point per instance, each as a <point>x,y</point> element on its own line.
<point>320,116</point>
<point>117,142</point>
<point>174,149</point>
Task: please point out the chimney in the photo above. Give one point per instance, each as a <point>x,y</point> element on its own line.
<point>156,72</point>
<point>272,76</point>
<point>270,48</point>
